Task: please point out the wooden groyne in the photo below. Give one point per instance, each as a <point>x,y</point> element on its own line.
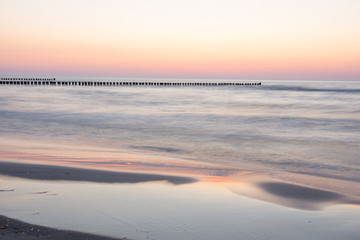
<point>27,79</point>
<point>54,82</point>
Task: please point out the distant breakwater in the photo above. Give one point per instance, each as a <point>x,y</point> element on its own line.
<point>54,82</point>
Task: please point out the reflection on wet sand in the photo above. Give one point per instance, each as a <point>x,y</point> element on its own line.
<point>300,197</point>
<point>188,208</point>
<point>246,183</point>
<point>292,191</point>
<point>300,191</point>
<point>292,195</point>
<point>204,210</point>
<point>46,172</point>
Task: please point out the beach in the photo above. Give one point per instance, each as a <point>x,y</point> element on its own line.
<point>180,120</point>
<point>197,163</point>
<point>86,203</point>
<point>11,229</point>
<point>14,229</point>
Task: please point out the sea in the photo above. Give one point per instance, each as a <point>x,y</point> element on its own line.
<point>301,137</point>
<point>310,127</point>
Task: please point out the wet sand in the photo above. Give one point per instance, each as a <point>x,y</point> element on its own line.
<point>11,229</point>
<point>47,172</point>
<point>161,206</point>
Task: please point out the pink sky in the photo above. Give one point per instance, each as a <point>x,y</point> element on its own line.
<point>273,39</point>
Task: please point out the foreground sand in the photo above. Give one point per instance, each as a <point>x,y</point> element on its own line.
<point>11,229</point>
<point>160,206</point>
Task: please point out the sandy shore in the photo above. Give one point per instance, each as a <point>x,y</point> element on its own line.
<point>164,207</point>
<point>11,229</point>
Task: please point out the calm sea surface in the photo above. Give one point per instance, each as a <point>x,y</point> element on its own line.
<point>291,145</point>
<point>291,126</point>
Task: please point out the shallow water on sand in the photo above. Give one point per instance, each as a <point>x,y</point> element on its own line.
<point>158,210</point>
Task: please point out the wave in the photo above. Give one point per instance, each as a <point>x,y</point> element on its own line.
<point>161,149</point>
<point>308,89</point>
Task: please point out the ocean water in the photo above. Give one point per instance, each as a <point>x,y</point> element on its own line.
<point>305,127</point>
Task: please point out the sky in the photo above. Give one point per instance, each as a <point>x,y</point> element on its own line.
<point>237,39</point>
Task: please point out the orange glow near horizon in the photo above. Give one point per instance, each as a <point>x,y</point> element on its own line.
<point>219,42</point>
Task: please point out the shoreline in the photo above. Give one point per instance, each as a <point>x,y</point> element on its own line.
<point>61,173</point>
<point>147,205</point>
<point>13,229</point>
<point>16,229</point>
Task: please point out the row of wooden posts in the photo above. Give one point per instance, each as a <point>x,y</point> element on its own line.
<point>44,82</point>
<point>27,79</point>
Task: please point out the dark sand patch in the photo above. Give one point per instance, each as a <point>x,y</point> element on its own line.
<point>11,229</point>
<point>52,173</point>
<point>292,191</point>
